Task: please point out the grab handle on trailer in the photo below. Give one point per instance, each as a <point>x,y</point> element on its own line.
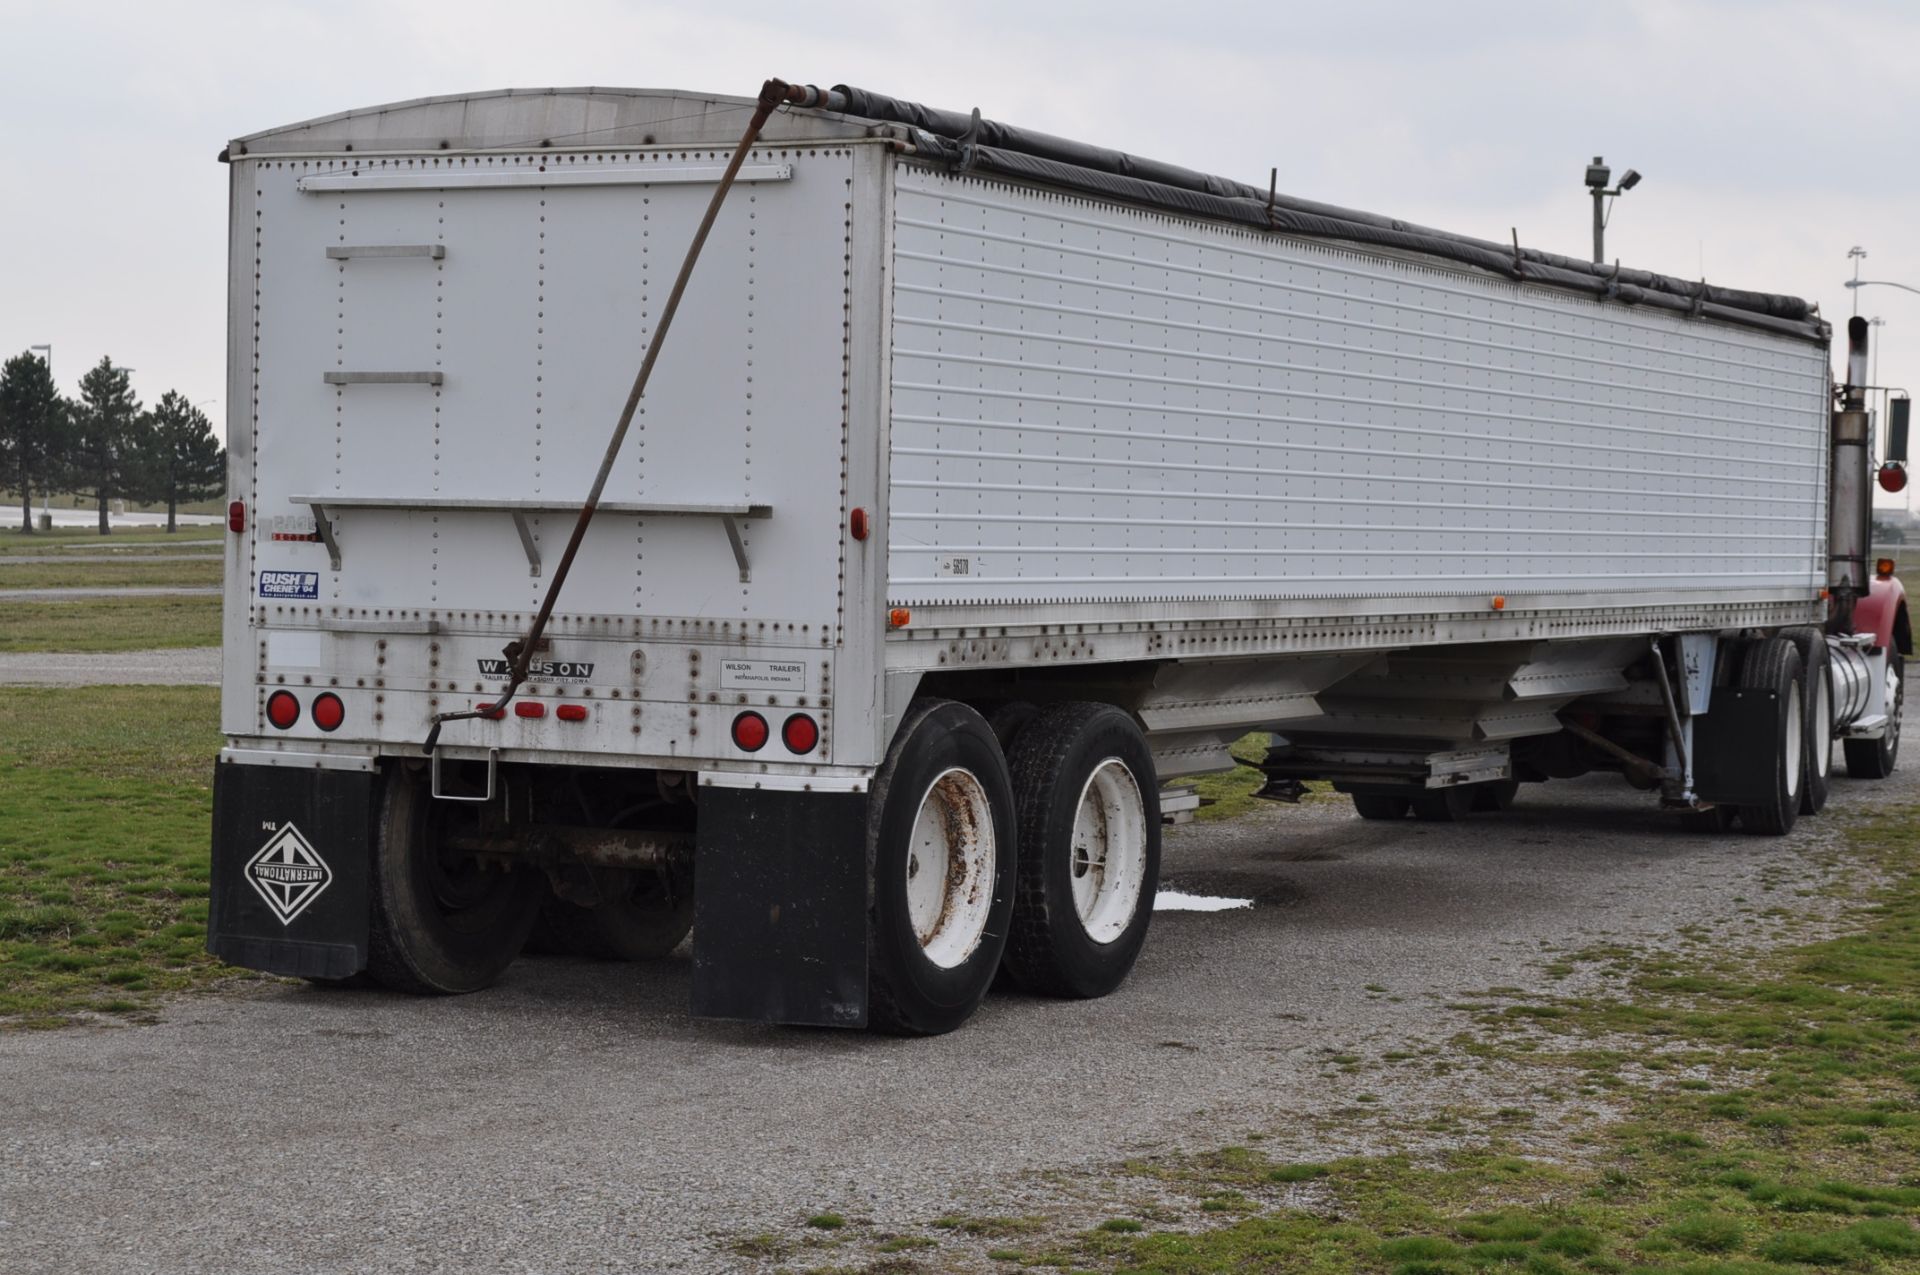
<point>493,767</point>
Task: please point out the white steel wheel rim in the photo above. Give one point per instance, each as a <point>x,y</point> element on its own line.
<point>1823,722</point>
<point>950,867</point>
<point>1796,728</point>
<point>1107,858</point>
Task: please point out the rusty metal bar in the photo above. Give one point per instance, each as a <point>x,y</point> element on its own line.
<point>520,651</point>
<point>1633,761</point>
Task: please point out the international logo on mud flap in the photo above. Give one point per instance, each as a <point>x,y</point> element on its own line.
<point>288,873</point>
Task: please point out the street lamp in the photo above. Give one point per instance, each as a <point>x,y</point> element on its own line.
<point>1873,376</point>
<point>1856,255</point>
<point>1874,283</point>
<point>47,352</point>
<point>1598,175</point>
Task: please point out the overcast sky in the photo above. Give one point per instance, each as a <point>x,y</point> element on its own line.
<point>1772,136</point>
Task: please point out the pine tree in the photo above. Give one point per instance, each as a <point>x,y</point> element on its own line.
<point>32,430</point>
<point>103,457</point>
<point>180,461</point>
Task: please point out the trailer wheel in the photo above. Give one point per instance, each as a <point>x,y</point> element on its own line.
<point>1817,696</point>
<point>1774,665</point>
<point>1495,795</point>
<point>1089,816</point>
<point>1875,758</point>
<point>1380,805</point>
<point>639,918</point>
<point>941,845</point>
<point>1448,805</point>
<point>440,923</point>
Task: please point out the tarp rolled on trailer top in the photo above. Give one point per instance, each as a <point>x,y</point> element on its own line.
<point>988,146</point>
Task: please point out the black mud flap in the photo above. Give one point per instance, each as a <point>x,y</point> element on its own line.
<point>780,907</point>
<point>291,848</point>
<point>1733,747</point>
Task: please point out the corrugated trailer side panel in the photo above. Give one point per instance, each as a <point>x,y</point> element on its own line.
<point>1092,403</point>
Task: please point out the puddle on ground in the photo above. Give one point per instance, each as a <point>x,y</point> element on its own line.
<point>1181,901</point>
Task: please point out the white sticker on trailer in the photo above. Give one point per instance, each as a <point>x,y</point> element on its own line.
<point>763,675</point>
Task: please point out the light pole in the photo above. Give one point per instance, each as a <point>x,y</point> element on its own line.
<point>46,352</point>
<point>1598,175</point>
<point>1856,254</point>
<point>1873,349</point>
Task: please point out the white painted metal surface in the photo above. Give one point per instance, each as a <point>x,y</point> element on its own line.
<point>517,319</point>
<point>1084,433</point>
<point>1093,404</point>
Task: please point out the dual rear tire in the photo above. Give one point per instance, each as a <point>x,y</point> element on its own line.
<point>1045,860</point>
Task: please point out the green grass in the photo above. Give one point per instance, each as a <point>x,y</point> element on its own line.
<point>110,624</point>
<point>1230,793</point>
<point>128,540</point>
<point>1791,1145</point>
<point>110,575</point>
<point>105,802</point>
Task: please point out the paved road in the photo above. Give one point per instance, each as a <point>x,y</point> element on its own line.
<point>575,1119</point>
<point>75,595</point>
<point>129,554</point>
<point>185,666</point>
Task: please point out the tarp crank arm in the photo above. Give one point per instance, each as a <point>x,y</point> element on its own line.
<point>519,652</point>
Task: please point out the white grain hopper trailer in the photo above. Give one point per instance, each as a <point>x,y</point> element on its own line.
<point>986,482</point>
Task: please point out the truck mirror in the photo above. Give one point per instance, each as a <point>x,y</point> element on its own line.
<point>1897,413</point>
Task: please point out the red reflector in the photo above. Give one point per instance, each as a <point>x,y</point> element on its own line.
<point>857,524</point>
<point>489,712</point>
<point>571,712</point>
<point>1893,476</point>
<point>283,710</point>
<point>237,516</point>
<point>800,733</point>
<point>750,732</point>
<point>529,708</point>
<point>329,712</point>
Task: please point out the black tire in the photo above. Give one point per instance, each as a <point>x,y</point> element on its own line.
<point>1008,720</point>
<point>1059,755</point>
<point>909,993</point>
<point>640,917</point>
<point>1381,805</point>
<point>1448,805</point>
<point>1774,665</point>
<point>439,924</point>
<point>1495,795</point>
<point>1816,700</point>
<point>1876,758</point>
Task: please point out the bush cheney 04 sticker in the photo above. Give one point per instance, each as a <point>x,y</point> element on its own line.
<point>290,584</point>
<point>288,873</point>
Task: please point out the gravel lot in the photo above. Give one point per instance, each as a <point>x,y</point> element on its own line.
<point>575,1119</point>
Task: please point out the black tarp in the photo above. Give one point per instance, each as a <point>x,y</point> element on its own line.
<point>989,146</point>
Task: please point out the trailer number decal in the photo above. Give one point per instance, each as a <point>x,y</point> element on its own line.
<point>288,873</point>
<point>542,670</point>
<point>763,675</point>
<point>290,584</point>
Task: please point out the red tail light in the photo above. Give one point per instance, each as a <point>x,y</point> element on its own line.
<point>750,732</point>
<point>283,710</point>
<point>328,711</point>
<point>489,712</point>
<point>529,708</point>
<point>237,517</point>
<point>571,712</point>
<point>800,733</point>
